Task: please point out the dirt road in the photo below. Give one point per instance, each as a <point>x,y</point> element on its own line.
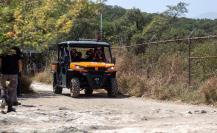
<point>45,112</point>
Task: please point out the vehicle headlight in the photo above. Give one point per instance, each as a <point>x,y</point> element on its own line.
<point>79,67</point>
<point>111,69</point>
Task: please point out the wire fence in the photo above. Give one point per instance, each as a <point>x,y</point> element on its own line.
<point>197,63</point>
<point>194,63</point>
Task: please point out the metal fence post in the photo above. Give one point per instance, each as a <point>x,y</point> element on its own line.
<point>189,57</point>
<point>189,61</point>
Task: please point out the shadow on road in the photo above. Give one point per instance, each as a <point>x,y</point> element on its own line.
<point>39,94</point>
<point>47,94</point>
<point>98,96</point>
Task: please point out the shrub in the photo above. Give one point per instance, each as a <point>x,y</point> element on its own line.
<point>178,91</point>
<point>44,77</point>
<point>209,90</point>
<point>25,84</point>
<point>132,85</point>
<point>161,72</point>
<point>135,78</point>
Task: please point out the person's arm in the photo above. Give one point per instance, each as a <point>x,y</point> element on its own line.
<point>20,66</point>
<point>20,61</point>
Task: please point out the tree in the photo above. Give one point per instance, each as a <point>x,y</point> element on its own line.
<point>86,23</point>
<point>136,17</point>
<point>156,26</point>
<point>37,23</point>
<point>164,25</point>
<point>177,10</point>
<point>7,36</point>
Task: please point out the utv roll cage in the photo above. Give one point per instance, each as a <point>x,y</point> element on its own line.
<point>82,44</point>
<point>84,74</point>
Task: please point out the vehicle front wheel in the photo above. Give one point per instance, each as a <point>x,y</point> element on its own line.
<point>56,88</point>
<point>75,88</point>
<point>113,90</point>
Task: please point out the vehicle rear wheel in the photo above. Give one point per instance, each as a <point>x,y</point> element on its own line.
<point>75,88</point>
<point>113,90</point>
<point>88,92</point>
<point>56,88</point>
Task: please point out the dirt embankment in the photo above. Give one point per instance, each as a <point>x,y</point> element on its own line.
<point>45,112</point>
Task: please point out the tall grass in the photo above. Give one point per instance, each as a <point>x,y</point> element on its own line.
<point>164,76</point>
<point>25,84</point>
<point>44,77</point>
<point>208,90</point>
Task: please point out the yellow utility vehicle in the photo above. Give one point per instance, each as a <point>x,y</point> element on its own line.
<point>84,65</point>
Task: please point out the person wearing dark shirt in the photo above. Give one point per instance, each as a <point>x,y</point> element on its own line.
<point>20,55</point>
<point>99,55</point>
<point>73,53</point>
<point>90,55</point>
<point>79,57</point>
<point>10,65</point>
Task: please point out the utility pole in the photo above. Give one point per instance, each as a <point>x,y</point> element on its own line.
<point>101,25</point>
<point>101,22</point>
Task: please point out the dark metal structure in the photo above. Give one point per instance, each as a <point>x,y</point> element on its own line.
<point>33,61</point>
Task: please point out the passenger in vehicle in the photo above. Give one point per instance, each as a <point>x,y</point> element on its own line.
<point>73,54</point>
<point>79,56</point>
<point>90,55</point>
<point>99,55</point>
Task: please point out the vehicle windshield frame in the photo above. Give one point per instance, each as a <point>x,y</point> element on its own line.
<point>87,46</point>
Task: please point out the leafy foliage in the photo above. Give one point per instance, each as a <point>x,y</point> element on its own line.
<point>177,10</point>
<point>37,23</point>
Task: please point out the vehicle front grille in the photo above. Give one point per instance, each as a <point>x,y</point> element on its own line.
<point>94,69</point>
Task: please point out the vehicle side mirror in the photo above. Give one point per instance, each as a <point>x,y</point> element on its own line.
<point>114,60</point>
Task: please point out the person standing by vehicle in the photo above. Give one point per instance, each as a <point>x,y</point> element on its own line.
<point>19,54</point>
<point>11,65</point>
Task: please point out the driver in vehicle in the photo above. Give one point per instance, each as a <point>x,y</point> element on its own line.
<point>90,55</point>
<point>99,55</point>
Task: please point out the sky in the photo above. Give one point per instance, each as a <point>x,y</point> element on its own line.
<point>197,8</point>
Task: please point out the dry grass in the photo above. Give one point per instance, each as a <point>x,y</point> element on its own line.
<point>25,84</point>
<point>166,80</point>
<point>44,77</point>
<point>209,91</point>
<point>132,85</point>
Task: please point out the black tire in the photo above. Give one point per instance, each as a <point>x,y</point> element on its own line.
<point>75,88</point>
<point>113,90</point>
<point>56,88</point>
<point>88,92</point>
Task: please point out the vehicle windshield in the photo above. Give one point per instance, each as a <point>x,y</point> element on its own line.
<point>91,54</point>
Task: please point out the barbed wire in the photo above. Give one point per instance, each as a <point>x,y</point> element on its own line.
<point>168,41</point>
